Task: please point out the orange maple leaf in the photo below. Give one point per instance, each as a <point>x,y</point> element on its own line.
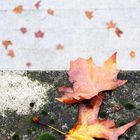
<point>89,14</point>
<point>88,126</point>
<point>6,43</point>
<point>111,25</point>
<point>132,54</point>
<point>11,53</point>
<point>18,9</point>
<point>88,79</point>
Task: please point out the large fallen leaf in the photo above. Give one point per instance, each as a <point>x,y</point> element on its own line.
<point>88,79</point>
<point>89,126</point>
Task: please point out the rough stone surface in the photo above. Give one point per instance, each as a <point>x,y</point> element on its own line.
<point>64,116</point>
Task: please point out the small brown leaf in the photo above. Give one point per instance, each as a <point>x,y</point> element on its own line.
<point>59,47</point>
<point>118,32</point>
<point>11,53</point>
<point>18,9</point>
<point>89,14</point>
<point>132,54</point>
<point>28,64</point>
<point>39,34</point>
<point>23,30</point>
<point>50,12</point>
<point>37,4</point>
<point>6,43</point>
<point>111,25</point>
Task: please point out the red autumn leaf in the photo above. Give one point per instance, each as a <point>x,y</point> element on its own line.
<point>6,43</point>
<point>88,79</point>
<point>118,32</point>
<point>23,30</point>
<point>88,126</point>
<point>111,25</point>
<point>18,9</point>
<point>50,12</point>
<point>39,34</point>
<point>11,53</point>
<point>37,4</point>
<point>89,14</point>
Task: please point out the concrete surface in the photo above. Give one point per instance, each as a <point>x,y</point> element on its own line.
<point>64,116</point>
<point>70,27</point>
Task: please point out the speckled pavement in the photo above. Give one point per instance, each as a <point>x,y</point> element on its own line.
<point>64,116</point>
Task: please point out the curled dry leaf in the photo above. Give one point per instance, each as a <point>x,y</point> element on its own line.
<point>23,30</point>
<point>88,79</point>
<point>37,4</point>
<point>50,12</point>
<point>11,53</point>
<point>18,9</point>
<point>89,14</point>
<point>88,126</point>
<point>39,34</point>
<point>6,43</point>
<point>111,25</point>
<point>118,32</point>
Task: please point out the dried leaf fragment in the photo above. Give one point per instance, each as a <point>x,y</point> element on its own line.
<point>132,54</point>
<point>39,34</point>
<point>59,47</point>
<point>37,4</point>
<point>18,9</point>
<point>89,14</point>
<point>6,43</point>
<point>88,79</point>
<point>118,32</point>
<point>28,64</point>
<point>50,12</point>
<point>88,126</point>
<point>11,53</point>
<point>23,30</point>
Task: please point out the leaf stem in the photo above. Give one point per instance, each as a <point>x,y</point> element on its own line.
<point>53,128</point>
<point>56,129</point>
